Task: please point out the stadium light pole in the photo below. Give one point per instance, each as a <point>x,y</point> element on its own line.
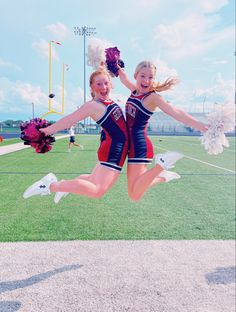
<point>203,104</point>
<point>235,90</point>
<point>84,31</point>
<point>33,110</point>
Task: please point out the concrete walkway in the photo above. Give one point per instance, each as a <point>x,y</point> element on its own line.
<point>6,149</point>
<point>118,276</point>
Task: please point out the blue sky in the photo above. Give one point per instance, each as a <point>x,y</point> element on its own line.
<point>193,40</point>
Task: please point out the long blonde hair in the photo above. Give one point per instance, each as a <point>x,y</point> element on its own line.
<point>100,71</point>
<point>157,86</point>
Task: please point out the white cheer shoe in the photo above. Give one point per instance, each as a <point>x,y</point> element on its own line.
<point>40,187</point>
<point>168,159</point>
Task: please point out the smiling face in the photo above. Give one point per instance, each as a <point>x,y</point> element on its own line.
<point>144,75</point>
<point>100,85</point>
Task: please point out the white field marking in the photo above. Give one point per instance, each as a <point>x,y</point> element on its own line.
<point>226,149</point>
<point>204,162</point>
<point>196,143</point>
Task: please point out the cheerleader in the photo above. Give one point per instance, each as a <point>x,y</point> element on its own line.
<point>140,106</point>
<point>111,153</point>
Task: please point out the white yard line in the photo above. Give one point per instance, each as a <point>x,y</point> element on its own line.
<point>204,162</point>
<point>197,143</point>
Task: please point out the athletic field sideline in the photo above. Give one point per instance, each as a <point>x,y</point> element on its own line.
<point>201,205</point>
<point>16,144</point>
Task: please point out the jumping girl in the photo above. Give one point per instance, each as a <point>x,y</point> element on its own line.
<point>111,153</point>
<point>140,106</point>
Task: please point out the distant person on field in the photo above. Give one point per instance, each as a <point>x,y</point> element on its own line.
<point>72,139</point>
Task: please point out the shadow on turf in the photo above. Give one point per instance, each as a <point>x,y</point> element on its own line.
<point>13,285</point>
<point>9,306</point>
<point>222,275</point>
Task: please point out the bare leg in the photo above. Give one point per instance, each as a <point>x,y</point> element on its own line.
<point>84,177</point>
<point>76,144</point>
<point>87,176</point>
<point>140,179</point>
<point>94,185</point>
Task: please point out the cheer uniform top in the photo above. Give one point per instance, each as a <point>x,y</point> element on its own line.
<point>137,116</point>
<point>114,136</point>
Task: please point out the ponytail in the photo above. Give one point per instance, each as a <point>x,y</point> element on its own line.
<point>168,84</point>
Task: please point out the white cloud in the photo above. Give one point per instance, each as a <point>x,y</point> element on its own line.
<point>74,99</point>
<point>59,31</point>
<point>207,6</point>
<point>196,100</point>
<point>8,64</point>
<point>6,88</point>
<point>193,34</point>
<point>17,97</point>
<point>30,93</point>
<point>222,91</point>
<point>12,102</point>
<point>135,44</point>
<point>42,47</point>
<point>14,109</point>
<point>54,32</point>
<point>147,4</point>
<point>216,39</point>
<point>220,62</point>
<point>164,71</point>
<point>214,61</point>
<point>2,96</point>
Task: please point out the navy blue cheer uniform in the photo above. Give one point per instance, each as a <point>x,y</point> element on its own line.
<point>114,137</point>
<point>137,116</point>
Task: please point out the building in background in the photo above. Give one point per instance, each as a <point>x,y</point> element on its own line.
<point>160,123</point>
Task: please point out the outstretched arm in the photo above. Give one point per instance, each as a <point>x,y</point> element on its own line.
<point>180,115</point>
<point>125,80</point>
<point>66,122</point>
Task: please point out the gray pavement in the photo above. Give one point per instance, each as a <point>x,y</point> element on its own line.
<point>117,276</point>
<point>6,149</point>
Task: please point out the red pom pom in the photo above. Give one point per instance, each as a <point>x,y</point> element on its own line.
<point>31,135</point>
<point>112,60</point>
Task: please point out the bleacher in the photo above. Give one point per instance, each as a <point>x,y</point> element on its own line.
<point>160,123</point>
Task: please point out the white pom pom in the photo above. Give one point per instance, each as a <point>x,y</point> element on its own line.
<point>96,52</point>
<point>220,121</point>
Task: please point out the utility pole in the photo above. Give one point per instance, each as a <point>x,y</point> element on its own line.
<point>84,31</point>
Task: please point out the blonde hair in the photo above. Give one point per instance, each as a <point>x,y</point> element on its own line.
<point>100,71</point>
<point>157,86</point>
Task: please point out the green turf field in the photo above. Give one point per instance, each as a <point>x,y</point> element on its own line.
<point>201,205</point>
<point>10,141</point>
